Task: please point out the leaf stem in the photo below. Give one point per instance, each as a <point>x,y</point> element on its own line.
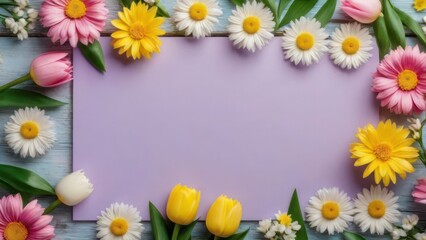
<point>176,230</point>
<point>52,207</point>
<point>16,82</point>
<point>216,238</point>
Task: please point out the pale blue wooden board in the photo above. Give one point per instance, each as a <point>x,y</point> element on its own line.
<point>57,163</point>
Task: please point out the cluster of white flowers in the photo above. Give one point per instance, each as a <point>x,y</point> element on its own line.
<point>277,229</point>
<point>415,127</point>
<point>23,19</point>
<point>409,224</point>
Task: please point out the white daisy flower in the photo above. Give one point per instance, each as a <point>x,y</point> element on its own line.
<point>29,132</point>
<point>118,222</point>
<point>304,41</point>
<point>196,17</point>
<point>376,210</point>
<point>251,26</point>
<point>350,46</point>
<point>330,210</point>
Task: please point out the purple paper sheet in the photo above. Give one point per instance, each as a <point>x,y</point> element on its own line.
<point>201,113</point>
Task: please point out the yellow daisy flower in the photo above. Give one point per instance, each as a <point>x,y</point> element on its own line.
<point>387,150</point>
<point>420,5</point>
<point>138,31</point>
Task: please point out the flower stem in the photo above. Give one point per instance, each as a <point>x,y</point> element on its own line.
<point>52,207</point>
<point>176,230</point>
<point>216,238</point>
<point>17,81</point>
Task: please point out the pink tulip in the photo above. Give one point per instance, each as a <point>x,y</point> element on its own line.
<point>419,193</point>
<point>51,69</point>
<point>363,11</point>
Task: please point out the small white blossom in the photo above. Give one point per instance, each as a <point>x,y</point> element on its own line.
<point>149,1</point>
<point>22,3</point>
<point>397,233</point>
<point>409,222</point>
<point>420,236</point>
<point>264,225</point>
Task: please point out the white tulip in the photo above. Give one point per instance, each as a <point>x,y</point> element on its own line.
<point>74,188</point>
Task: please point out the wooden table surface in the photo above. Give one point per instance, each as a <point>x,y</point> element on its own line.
<point>57,163</point>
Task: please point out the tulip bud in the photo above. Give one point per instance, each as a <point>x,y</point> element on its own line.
<point>74,188</point>
<point>224,216</point>
<point>363,11</point>
<point>182,206</point>
<point>51,69</point>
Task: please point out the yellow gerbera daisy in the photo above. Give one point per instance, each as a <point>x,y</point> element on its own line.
<point>386,150</point>
<point>138,31</point>
<point>420,5</point>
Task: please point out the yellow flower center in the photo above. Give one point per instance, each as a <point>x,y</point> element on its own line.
<point>29,130</point>
<point>119,226</point>
<point>75,9</point>
<point>198,11</point>
<point>351,45</point>
<point>383,151</point>
<point>407,80</point>
<point>376,209</point>
<point>330,210</point>
<point>137,31</point>
<point>15,231</point>
<point>251,24</point>
<point>305,41</point>
<point>285,219</point>
<point>420,5</point>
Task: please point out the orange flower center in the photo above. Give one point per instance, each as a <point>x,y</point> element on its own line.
<point>137,31</point>
<point>119,226</point>
<point>29,130</point>
<point>376,209</point>
<point>75,9</point>
<point>383,151</point>
<point>198,11</point>
<point>15,231</point>
<point>407,80</point>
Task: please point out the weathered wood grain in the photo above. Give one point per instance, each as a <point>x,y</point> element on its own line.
<point>57,163</point>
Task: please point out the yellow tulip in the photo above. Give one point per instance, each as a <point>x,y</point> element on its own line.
<point>224,216</point>
<point>182,206</point>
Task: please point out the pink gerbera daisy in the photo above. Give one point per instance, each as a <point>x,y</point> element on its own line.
<point>23,223</point>
<point>400,80</point>
<point>73,20</point>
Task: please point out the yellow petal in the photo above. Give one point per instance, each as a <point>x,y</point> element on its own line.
<point>120,24</point>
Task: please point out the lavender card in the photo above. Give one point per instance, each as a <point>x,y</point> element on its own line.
<point>201,113</point>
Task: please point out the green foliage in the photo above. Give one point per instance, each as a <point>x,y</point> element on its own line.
<point>382,36</point>
<point>94,54</point>
<point>158,223</point>
<point>238,236</point>
<point>16,98</point>
<point>296,214</point>
<point>393,25</point>
<point>413,25</point>
<point>326,12</point>
<point>24,181</point>
<point>296,10</point>
<point>352,236</point>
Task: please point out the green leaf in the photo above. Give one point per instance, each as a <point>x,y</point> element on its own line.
<point>7,187</point>
<point>393,25</point>
<point>25,181</point>
<point>238,236</point>
<point>16,98</point>
<point>186,231</point>
<point>7,3</point>
<point>296,10</point>
<point>281,6</point>
<point>159,227</point>
<point>296,215</point>
<point>162,11</point>
<point>238,2</point>
<point>352,236</point>
<point>382,37</point>
<point>94,54</point>
<point>326,12</point>
<point>272,5</point>
<point>412,24</point>
<point>126,3</point>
